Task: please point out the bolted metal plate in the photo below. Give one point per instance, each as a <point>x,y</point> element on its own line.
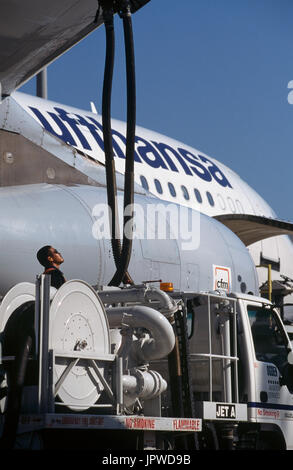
<point>78,323</point>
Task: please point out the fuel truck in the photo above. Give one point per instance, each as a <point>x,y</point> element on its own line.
<point>188,357</point>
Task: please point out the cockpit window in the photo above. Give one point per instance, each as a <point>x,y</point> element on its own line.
<point>144,182</point>
<point>197,195</point>
<point>269,340</point>
<point>185,192</point>
<point>172,189</point>
<point>158,186</point>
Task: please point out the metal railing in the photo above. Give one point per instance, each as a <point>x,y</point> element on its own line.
<point>227,311</point>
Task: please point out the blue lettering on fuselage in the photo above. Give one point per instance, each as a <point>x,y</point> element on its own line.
<point>149,154</point>
<point>64,132</point>
<point>155,154</point>
<point>197,168</point>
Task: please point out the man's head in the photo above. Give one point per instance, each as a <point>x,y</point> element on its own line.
<point>49,256</point>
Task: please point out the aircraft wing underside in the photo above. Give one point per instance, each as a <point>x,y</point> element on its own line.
<point>35,32</point>
<point>253,228</point>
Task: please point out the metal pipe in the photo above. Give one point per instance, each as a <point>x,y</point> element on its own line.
<point>144,384</point>
<point>44,295</point>
<point>167,305</point>
<point>227,362</point>
<point>119,383</point>
<point>163,338</point>
<point>210,350</point>
<point>270,282</point>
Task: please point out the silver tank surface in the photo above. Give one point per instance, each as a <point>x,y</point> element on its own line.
<point>67,216</point>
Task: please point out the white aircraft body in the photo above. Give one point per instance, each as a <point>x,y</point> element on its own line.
<point>171,171</point>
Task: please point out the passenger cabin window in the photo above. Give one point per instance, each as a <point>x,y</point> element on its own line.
<point>221,202</point>
<point>210,199</point>
<point>239,207</point>
<point>197,195</point>
<point>269,340</point>
<point>185,192</point>
<point>231,204</point>
<point>144,182</point>
<point>158,186</point>
<point>172,189</point>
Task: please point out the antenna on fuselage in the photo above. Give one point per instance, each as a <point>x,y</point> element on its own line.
<point>42,84</point>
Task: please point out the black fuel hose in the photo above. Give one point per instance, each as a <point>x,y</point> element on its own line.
<point>107,131</point>
<point>130,142</point>
<point>121,254</point>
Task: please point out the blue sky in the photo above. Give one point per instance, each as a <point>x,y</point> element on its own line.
<point>213,74</point>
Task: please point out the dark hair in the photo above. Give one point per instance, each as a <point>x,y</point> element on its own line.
<point>43,254</point>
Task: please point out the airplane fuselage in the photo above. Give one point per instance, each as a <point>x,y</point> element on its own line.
<point>165,168</point>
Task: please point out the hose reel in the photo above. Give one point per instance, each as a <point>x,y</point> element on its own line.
<point>77,331</point>
<point>78,323</point>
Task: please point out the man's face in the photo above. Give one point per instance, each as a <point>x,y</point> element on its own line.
<point>54,256</point>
